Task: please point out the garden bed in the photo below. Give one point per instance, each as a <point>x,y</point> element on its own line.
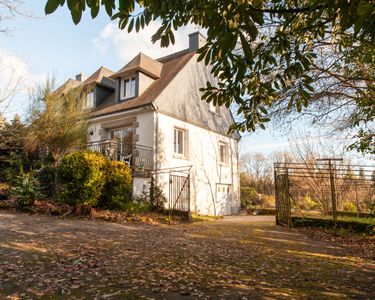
<point>353,214</point>
<point>50,208</point>
<point>363,226</point>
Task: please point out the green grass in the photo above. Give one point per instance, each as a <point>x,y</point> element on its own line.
<point>370,221</point>
<point>316,215</point>
<point>201,218</point>
<point>351,224</point>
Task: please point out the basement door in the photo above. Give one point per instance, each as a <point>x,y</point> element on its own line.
<point>223,199</point>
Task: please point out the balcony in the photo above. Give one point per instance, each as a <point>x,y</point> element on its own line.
<point>138,157</point>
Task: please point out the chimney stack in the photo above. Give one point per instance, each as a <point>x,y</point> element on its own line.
<point>196,41</point>
<point>81,77</point>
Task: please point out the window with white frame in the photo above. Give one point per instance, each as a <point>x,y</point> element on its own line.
<point>129,87</point>
<point>223,152</point>
<point>90,100</point>
<point>179,141</point>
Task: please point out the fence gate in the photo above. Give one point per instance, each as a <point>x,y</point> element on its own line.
<point>179,193</point>
<point>327,188</point>
<point>283,209</point>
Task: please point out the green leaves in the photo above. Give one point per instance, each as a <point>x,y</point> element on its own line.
<point>246,47</point>
<point>52,5</point>
<point>95,6</point>
<point>109,6</point>
<point>76,13</point>
<point>131,25</point>
<point>365,7</point>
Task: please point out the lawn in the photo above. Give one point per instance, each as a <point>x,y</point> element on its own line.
<point>370,221</point>
<point>367,220</point>
<point>231,258</point>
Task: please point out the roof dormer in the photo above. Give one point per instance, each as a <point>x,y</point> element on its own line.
<point>136,76</point>
<point>98,86</point>
<point>100,77</point>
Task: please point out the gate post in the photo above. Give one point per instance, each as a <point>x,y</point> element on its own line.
<point>288,198</point>
<point>282,199</point>
<point>276,194</point>
<point>170,197</point>
<point>188,187</point>
<point>333,191</point>
<point>152,189</point>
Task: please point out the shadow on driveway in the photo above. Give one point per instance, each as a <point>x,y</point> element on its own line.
<point>238,257</point>
<point>242,218</point>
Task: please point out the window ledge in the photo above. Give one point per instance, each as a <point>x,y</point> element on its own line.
<point>128,98</point>
<point>180,156</point>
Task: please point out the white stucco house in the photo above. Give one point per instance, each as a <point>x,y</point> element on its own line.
<point>150,115</point>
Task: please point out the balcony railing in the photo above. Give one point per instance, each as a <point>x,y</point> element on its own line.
<point>136,156</point>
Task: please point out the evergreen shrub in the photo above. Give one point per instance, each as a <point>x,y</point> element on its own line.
<point>117,186</point>
<point>82,176</point>
<point>46,178</point>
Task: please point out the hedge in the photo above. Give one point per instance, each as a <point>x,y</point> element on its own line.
<point>81,175</point>
<point>357,227</point>
<point>117,186</point>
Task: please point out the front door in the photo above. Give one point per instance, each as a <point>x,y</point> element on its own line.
<point>223,202</point>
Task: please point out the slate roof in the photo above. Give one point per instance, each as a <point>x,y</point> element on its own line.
<point>100,76</point>
<point>141,63</point>
<point>170,66</point>
<point>67,85</point>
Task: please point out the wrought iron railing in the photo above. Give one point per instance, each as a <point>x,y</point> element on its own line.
<point>137,156</point>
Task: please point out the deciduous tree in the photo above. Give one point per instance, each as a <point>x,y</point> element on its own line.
<point>58,121</point>
<point>9,9</point>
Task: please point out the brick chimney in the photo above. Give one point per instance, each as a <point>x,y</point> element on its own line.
<point>196,41</point>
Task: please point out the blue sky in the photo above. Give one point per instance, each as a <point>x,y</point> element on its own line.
<point>52,45</point>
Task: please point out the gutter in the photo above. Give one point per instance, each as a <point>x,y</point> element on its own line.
<point>119,113</point>
<point>156,135</point>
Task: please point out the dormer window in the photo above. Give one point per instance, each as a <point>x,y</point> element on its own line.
<point>129,87</point>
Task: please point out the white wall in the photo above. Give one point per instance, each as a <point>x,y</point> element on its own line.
<point>214,187</point>
<point>94,128</point>
<point>208,175</point>
<point>144,82</point>
<point>140,185</point>
<point>182,98</point>
<point>145,129</point>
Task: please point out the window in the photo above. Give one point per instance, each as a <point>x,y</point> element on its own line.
<point>129,87</point>
<point>179,141</point>
<point>90,100</point>
<point>223,152</point>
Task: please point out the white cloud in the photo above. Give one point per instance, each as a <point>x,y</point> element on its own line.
<point>16,80</point>
<point>127,45</point>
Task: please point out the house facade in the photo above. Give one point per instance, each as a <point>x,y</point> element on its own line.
<point>150,115</point>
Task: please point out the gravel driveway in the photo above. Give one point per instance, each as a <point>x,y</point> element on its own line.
<point>233,258</point>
